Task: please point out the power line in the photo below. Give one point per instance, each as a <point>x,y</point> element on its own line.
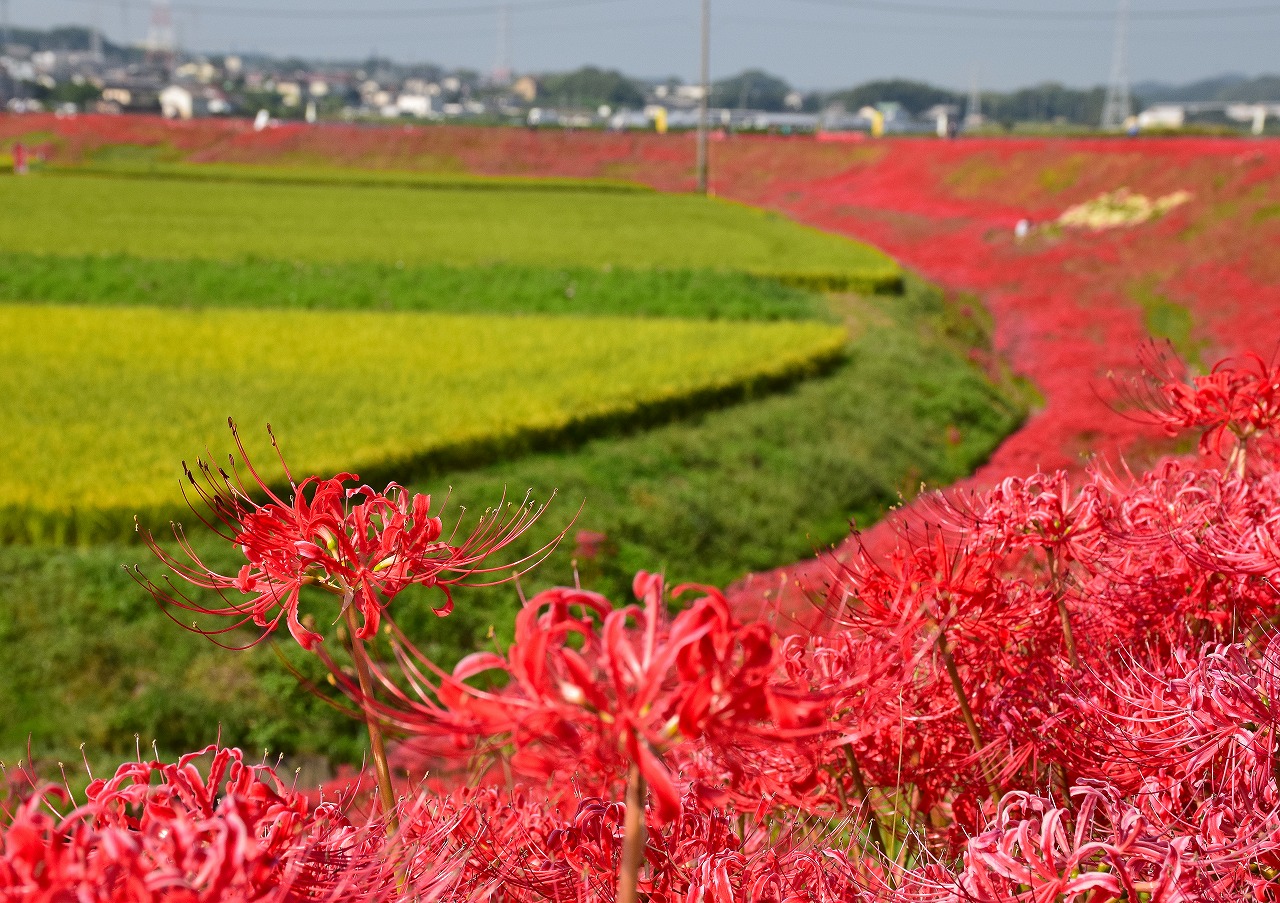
<point>1006,12</point>
<point>1013,27</point>
<point>404,12</point>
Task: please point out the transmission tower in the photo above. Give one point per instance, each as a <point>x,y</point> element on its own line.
<point>502,71</point>
<point>95,35</point>
<point>1119,104</point>
<point>161,43</point>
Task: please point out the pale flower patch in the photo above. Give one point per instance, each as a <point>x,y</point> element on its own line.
<point>1120,209</point>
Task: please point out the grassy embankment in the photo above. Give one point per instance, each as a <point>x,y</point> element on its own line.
<point>92,659</point>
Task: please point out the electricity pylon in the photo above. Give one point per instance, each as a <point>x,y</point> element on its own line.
<point>502,71</point>
<point>95,36</point>
<point>161,41</point>
<point>1118,106</point>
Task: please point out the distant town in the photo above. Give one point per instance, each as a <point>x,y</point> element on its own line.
<point>74,70</point>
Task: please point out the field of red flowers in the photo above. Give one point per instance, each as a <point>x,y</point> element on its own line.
<point>1057,683</point>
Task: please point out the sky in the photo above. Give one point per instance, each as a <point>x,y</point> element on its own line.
<point>812,43</point>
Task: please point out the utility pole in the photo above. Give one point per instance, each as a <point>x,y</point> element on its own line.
<point>4,25</point>
<point>704,100</point>
<point>502,72</point>
<point>1119,105</point>
<point>973,116</point>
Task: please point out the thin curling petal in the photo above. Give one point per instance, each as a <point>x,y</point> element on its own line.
<point>349,540</point>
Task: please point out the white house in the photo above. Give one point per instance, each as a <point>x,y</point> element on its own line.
<point>177,102</point>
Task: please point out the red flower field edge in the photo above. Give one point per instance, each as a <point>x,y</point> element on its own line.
<point>1061,688</point>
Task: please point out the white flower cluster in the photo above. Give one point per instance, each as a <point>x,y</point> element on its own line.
<point>1120,208</point>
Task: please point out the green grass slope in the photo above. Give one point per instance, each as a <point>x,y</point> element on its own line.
<point>123,161</point>
<point>358,285</point>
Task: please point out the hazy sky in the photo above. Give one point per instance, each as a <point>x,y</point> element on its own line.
<point>813,43</point>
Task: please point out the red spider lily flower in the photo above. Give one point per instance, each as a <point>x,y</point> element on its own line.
<point>962,589</point>
<point>168,832</point>
<point>1241,399</point>
<point>593,689</point>
<point>533,850</point>
<point>1188,552</point>
<point>349,540</point>
<point>1041,511</point>
<point>1102,851</point>
<point>1207,721</point>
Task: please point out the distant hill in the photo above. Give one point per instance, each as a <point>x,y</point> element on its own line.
<point>1228,87</point>
<point>67,37</point>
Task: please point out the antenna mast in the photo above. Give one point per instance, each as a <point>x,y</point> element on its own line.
<point>1119,104</point>
<point>161,41</point>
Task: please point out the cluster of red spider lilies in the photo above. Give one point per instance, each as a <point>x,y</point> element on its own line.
<point>1060,690</point>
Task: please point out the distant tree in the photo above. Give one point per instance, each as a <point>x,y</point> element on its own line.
<point>66,37</point>
<point>1045,103</point>
<point>72,38</point>
<point>915,97</point>
<point>753,89</point>
<point>470,78</point>
<point>79,93</point>
<point>590,87</point>
<point>425,71</point>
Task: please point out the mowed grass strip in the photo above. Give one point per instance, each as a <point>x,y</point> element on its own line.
<point>499,288</point>
<point>60,214</point>
<point>103,404</point>
<point>123,161</point>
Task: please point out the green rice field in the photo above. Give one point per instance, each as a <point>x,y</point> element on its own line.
<point>53,213</point>
<point>104,403</point>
